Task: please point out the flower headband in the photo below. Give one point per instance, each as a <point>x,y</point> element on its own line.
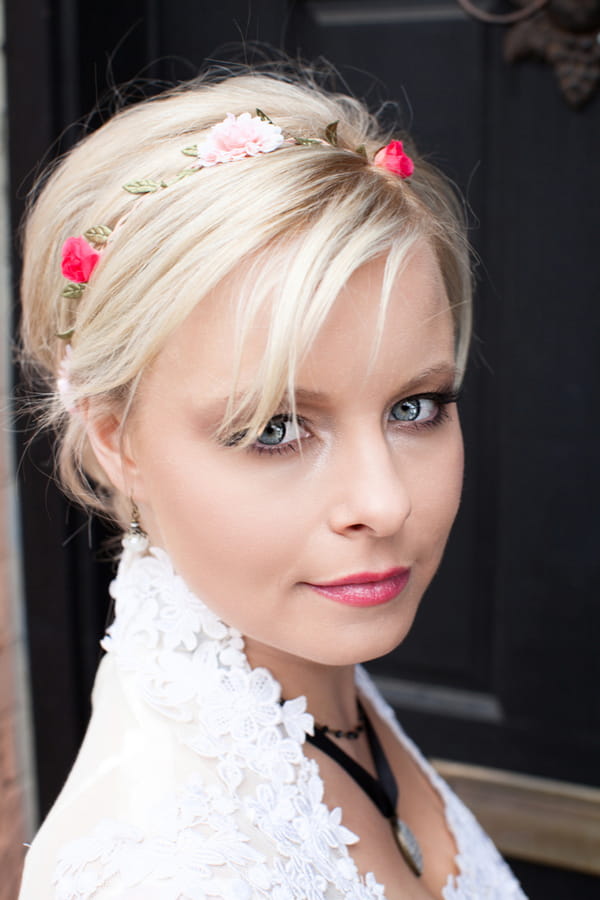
<point>235,138</point>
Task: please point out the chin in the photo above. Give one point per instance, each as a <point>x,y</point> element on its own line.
<point>350,653</point>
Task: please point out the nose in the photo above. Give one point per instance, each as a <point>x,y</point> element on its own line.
<point>370,489</point>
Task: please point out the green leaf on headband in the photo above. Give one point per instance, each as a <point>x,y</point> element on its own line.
<point>361,150</point>
<point>98,235</point>
<point>190,151</point>
<point>307,141</point>
<point>263,116</point>
<point>181,175</point>
<point>73,290</point>
<point>65,335</point>
<point>331,135</point>
<point>144,186</point>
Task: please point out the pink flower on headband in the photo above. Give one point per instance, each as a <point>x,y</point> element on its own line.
<point>79,259</point>
<point>237,137</point>
<point>394,159</point>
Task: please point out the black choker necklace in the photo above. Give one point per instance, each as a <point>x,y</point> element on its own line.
<point>383,790</point>
<point>352,734</point>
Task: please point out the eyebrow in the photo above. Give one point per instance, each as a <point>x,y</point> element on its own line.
<point>443,371</point>
<point>446,371</point>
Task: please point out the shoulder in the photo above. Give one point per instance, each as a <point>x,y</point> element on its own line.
<point>173,853</point>
<point>129,795</point>
<point>151,838</point>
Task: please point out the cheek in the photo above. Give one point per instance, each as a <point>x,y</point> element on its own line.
<point>437,475</point>
<point>454,467</point>
<point>211,515</point>
<point>445,483</point>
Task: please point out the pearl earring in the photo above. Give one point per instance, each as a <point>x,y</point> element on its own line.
<point>135,538</point>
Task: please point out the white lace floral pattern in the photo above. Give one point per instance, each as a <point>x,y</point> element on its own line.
<point>260,828</point>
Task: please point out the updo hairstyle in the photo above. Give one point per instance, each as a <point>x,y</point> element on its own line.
<point>302,219</point>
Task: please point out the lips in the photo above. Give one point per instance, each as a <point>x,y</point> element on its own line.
<point>365,588</point>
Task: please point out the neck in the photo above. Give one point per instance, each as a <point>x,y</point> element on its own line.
<point>330,691</point>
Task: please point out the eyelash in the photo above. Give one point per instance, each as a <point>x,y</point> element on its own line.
<point>442,399</point>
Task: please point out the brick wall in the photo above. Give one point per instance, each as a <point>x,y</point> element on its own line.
<point>16,817</point>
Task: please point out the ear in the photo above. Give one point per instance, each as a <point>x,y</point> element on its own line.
<point>111,447</point>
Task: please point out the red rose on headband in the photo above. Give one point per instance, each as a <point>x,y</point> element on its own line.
<point>394,159</point>
<point>79,259</point>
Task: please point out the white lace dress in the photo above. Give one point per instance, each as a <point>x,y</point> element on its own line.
<point>192,784</point>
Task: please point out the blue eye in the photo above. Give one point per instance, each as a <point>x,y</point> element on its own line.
<point>278,431</point>
<point>274,432</point>
<point>423,409</point>
<point>414,409</point>
<point>281,434</point>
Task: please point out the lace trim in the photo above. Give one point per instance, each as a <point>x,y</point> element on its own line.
<point>182,659</point>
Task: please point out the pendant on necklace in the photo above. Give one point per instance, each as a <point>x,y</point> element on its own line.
<point>408,845</point>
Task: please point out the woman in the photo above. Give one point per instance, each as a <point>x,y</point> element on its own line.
<point>256,360</point>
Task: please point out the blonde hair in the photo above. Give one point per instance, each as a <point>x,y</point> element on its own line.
<point>326,210</point>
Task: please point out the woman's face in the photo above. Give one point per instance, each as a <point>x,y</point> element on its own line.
<point>265,534</point>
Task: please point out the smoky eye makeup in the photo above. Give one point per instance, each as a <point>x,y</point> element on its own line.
<point>282,433</point>
<point>428,408</point>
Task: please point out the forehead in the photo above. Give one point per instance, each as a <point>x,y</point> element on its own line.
<point>417,331</point>
<point>357,349</point>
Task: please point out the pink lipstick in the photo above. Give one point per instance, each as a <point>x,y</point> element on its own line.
<point>365,588</point>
